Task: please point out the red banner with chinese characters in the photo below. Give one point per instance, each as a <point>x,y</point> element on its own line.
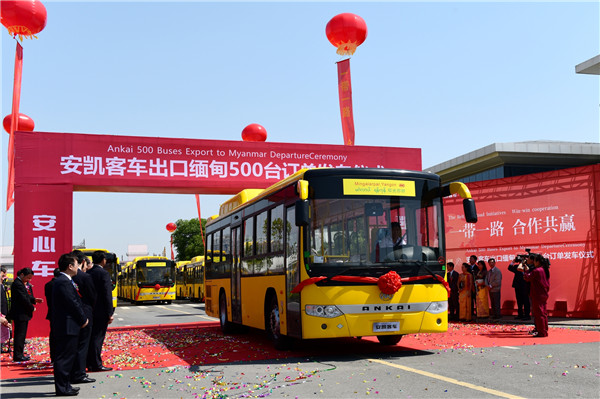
<point>93,162</point>
<point>43,231</point>
<point>345,93</point>
<point>554,214</point>
<point>16,100</point>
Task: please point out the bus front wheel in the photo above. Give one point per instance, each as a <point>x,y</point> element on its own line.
<point>389,339</point>
<point>273,325</point>
<point>226,326</point>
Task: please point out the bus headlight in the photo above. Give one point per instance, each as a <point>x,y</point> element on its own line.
<point>437,307</point>
<point>328,311</point>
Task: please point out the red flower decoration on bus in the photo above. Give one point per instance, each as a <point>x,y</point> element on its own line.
<point>346,32</point>
<point>24,123</point>
<point>389,283</point>
<point>171,227</point>
<point>254,132</point>
<point>23,18</point>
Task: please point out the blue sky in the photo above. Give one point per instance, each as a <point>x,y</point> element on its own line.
<point>448,78</point>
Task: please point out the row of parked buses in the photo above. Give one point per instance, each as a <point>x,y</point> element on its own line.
<point>190,279</point>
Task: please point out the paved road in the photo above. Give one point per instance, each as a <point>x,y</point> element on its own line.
<point>539,371</point>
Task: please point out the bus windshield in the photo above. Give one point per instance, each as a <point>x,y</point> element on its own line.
<point>396,233</point>
<point>155,272</point>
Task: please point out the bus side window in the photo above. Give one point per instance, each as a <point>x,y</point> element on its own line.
<point>248,249</point>
<point>226,251</point>
<point>262,230</point>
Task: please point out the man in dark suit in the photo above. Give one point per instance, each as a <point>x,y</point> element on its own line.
<point>21,310</point>
<point>48,294</point>
<point>68,318</point>
<point>103,312</point>
<point>87,292</point>
<point>453,300</point>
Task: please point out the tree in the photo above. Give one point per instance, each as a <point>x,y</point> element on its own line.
<point>187,239</point>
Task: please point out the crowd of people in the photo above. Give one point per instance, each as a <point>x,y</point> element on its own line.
<point>477,288</point>
<point>80,308</point>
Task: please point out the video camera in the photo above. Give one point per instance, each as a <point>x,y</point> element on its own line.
<point>521,258</point>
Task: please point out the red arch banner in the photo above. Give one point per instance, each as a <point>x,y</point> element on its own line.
<point>50,166</point>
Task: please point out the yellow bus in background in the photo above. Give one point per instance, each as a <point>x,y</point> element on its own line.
<point>181,285</point>
<point>149,278</point>
<point>121,285</point>
<point>194,277</point>
<point>312,256</point>
<point>113,267</point>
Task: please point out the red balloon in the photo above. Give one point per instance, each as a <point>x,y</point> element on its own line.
<point>254,132</point>
<point>346,32</point>
<point>23,18</point>
<point>24,123</point>
<point>171,227</point>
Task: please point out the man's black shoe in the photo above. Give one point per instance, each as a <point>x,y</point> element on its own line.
<point>83,380</point>
<point>101,368</point>
<point>72,392</point>
<point>21,359</point>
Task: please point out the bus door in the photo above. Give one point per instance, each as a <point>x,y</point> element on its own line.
<point>292,268</point>
<point>236,283</point>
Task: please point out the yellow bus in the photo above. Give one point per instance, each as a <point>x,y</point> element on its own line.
<point>113,267</point>
<point>194,273</point>
<point>312,256</point>
<point>180,280</point>
<point>149,278</point>
<point>120,284</point>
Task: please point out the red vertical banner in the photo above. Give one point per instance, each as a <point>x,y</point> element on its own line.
<point>10,189</point>
<point>43,232</point>
<point>345,93</point>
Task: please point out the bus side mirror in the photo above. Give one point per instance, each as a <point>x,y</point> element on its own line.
<point>302,213</point>
<point>470,211</point>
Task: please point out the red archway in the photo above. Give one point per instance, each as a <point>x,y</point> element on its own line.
<point>50,166</point>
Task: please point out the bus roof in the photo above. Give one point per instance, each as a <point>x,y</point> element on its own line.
<point>199,258</point>
<point>249,195</point>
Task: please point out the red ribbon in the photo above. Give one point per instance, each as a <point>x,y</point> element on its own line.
<point>366,280</point>
<point>306,282</point>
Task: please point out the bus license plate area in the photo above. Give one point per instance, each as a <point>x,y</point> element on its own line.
<point>386,326</point>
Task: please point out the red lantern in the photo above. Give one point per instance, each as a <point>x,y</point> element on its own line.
<point>346,32</point>
<point>254,132</point>
<point>23,18</point>
<point>171,227</point>
<point>24,123</point>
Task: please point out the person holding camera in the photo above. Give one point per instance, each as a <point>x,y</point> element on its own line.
<point>521,286</point>
<point>539,277</point>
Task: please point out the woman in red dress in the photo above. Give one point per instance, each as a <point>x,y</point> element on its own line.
<point>539,277</point>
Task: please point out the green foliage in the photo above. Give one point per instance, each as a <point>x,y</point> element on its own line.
<point>187,239</point>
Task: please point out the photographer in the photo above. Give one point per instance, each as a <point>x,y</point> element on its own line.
<point>539,277</point>
<point>521,286</point>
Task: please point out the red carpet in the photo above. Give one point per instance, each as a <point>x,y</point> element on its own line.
<point>130,348</point>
